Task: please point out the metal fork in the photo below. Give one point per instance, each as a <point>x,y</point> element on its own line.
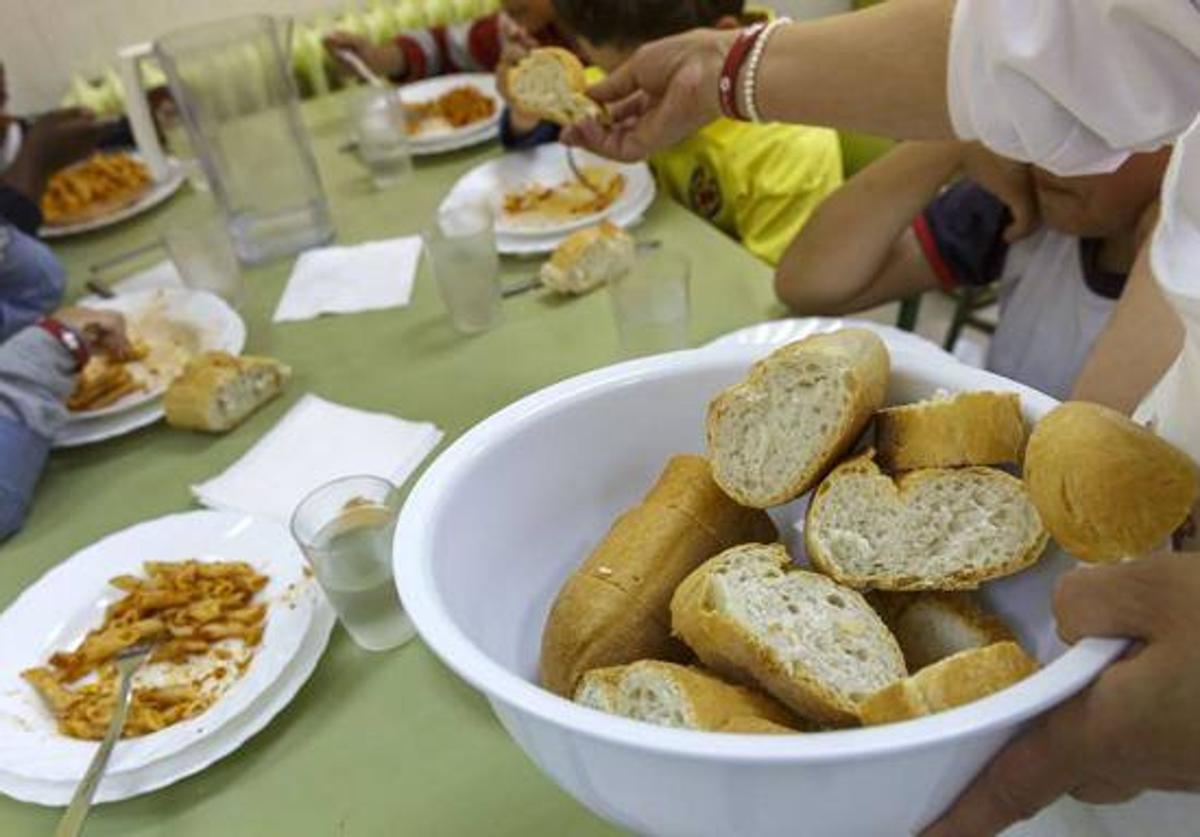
<point>128,661</point>
<point>578,172</point>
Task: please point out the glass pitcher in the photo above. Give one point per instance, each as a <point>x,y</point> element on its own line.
<point>231,82</point>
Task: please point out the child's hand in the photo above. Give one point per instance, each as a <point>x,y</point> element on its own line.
<point>1134,729</point>
<point>62,137</point>
<point>385,59</point>
<point>1011,182</point>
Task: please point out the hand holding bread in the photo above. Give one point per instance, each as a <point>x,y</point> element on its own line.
<point>549,83</point>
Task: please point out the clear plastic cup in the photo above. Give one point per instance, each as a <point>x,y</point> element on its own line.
<point>651,305</point>
<point>461,246</point>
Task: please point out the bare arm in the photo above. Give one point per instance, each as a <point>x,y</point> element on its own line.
<point>1141,341</point>
<point>858,250</point>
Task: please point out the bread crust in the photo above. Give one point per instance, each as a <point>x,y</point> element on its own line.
<point>683,521</point>
<point>962,579</point>
<point>969,428</point>
<point>901,611</point>
<point>711,703</point>
<point>190,400</point>
<point>867,367</point>
<point>728,648</point>
<point>574,76</point>
<point>556,273</point>
<point>957,680</point>
<point>1107,488</point>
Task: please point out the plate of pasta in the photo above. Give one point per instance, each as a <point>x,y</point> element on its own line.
<point>226,599</point>
<point>105,189</point>
<point>446,113</point>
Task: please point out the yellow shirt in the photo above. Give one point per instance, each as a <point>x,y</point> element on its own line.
<point>757,182</point>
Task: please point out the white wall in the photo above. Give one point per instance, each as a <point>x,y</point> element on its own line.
<point>43,41</point>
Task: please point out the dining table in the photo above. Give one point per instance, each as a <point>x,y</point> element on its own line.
<point>375,743</point>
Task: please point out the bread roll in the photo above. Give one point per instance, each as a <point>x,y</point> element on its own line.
<point>774,435</point>
<point>933,626</point>
<point>933,529</point>
<point>1107,488</point>
<point>680,696</point>
<point>970,428</point>
<point>217,391</point>
<point>614,608</point>
<point>549,83</point>
<point>588,259</point>
<point>812,644</point>
<point>963,678</point>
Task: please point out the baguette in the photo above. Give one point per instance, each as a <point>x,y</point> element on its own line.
<point>679,696</point>
<point>933,626</point>
<point>1107,488</point>
<point>549,83</point>
<point>217,391</point>
<point>957,680</point>
<point>774,435</point>
<point>588,259</point>
<point>970,428</point>
<point>933,529</point>
<point>614,608</point>
<point>812,644</point>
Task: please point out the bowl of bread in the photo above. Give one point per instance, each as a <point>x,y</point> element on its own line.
<point>713,592</point>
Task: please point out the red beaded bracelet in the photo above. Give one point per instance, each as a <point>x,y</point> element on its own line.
<point>68,338</point>
<point>727,85</point>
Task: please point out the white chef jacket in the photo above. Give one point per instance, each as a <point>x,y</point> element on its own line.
<point>1073,85</point>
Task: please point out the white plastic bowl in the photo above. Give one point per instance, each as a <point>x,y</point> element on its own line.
<point>505,514</point>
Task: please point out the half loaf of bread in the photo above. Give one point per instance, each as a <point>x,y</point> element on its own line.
<point>217,391</point>
<point>549,83</point>
<point>774,435</point>
<point>672,695</point>
<point>588,259</point>
<point>614,608</point>
<point>933,529</point>
<point>814,645</point>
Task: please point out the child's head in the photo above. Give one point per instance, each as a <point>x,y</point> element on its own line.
<point>1100,205</point>
<point>610,30</point>
<point>530,15</point>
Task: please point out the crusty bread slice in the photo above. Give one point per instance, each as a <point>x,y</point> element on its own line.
<point>217,391</point>
<point>957,680</point>
<point>752,725</point>
<point>549,83</point>
<point>969,428</point>
<point>672,695</point>
<point>933,626</point>
<point>614,608</point>
<point>589,258</point>
<point>1107,488</point>
<point>774,435</point>
<point>933,529</point>
<point>814,645</point>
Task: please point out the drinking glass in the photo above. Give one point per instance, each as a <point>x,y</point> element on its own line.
<point>381,131</point>
<point>203,254</point>
<point>345,529</point>
<point>650,303</point>
<point>232,82</point>
<point>461,245</point>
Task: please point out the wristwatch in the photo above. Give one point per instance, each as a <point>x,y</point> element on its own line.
<point>68,338</point>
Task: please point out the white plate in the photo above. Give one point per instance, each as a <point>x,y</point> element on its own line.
<point>450,139</point>
<point>487,182</point>
<point>217,327</point>
<point>780,332</point>
<point>56,611</point>
<point>76,434</point>
<point>156,194</point>
<point>203,752</point>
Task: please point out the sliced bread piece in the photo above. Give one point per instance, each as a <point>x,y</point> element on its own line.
<point>814,645</point>
<point>549,83</point>
<point>217,391</point>
<point>933,529</point>
<point>774,435</point>
<point>672,695</point>
<point>614,608</point>
<point>1107,488</point>
<point>970,428</point>
<point>589,258</point>
<point>957,680</point>
<point>933,626</point>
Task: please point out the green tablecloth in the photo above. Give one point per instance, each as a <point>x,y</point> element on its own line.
<point>387,743</point>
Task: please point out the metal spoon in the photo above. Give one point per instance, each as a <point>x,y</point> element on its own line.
<point>128,661</point>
